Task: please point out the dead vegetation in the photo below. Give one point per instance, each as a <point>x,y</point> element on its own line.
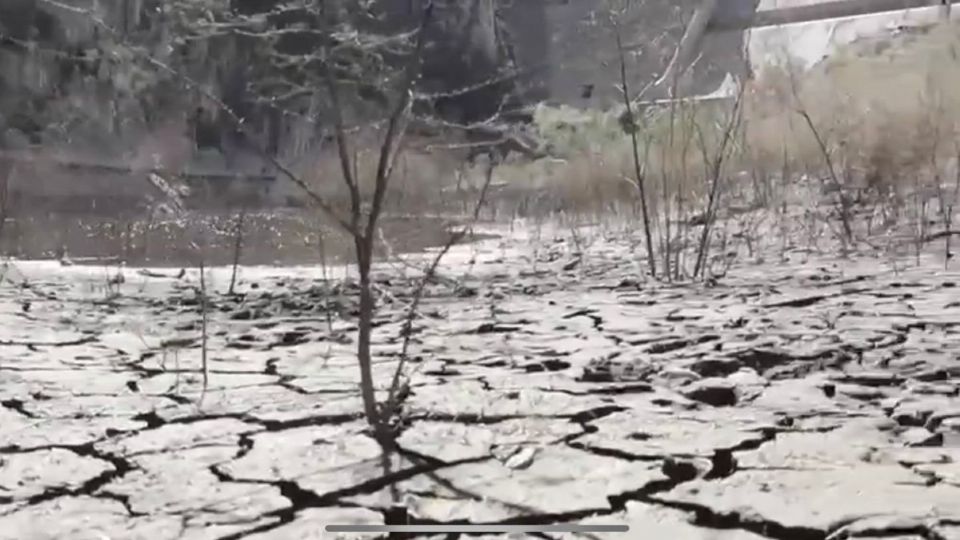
<point>825,160</point>
<point>831,160</point>
<point>863,145</point>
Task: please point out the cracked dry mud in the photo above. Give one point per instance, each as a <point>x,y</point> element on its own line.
<point>805,400</point>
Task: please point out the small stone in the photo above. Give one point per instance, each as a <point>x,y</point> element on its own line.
<point>522,459</point>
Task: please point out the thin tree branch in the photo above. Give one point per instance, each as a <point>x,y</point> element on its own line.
<point>412,74</point>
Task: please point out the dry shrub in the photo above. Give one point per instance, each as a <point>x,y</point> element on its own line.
<point>421,179</point>
<point>594,172</point>
<point>884,108</point>
<point>590,182</point>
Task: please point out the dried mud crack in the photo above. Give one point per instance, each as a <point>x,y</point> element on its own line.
<point>784,403</point>
<point>708,518</point>
<point>94,486</point>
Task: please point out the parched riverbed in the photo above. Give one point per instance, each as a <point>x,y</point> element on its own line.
<point>805,399</point>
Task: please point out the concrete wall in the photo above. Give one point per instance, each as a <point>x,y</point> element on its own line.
<point>574,58</point>
<point>807,43</point>
<point>743,36</point>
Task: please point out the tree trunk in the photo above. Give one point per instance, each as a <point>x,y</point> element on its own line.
<point>481,21</point>
<point>465,62</point>
<point>526,38</point>
<point>364,250</point>
<point>689,46</point>
<point>6,170</point>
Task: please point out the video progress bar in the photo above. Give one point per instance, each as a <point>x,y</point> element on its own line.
<point>476,528</point>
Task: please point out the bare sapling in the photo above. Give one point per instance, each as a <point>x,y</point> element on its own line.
<point>782,213</point>
<point>577,239</point>
<point>364,233</point>
<point>948,217</point>
<point>6,171</point>
<point>204,310</point>
<point>946,205</point>
<point>714,169</point>
<point>670,248</point>
<point>363,215</point>
<point>946,197</point>
<point>666,245</point>
<point>174,202</point>
<point>920,201</point>
<point>844,203</point>
<point>237,248</point>
<point>400,383</point>
<point>325,274</point>
<point>341,58</point>
<point>682,208</point>
<point>630,124</point>
<point>683,125</point>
